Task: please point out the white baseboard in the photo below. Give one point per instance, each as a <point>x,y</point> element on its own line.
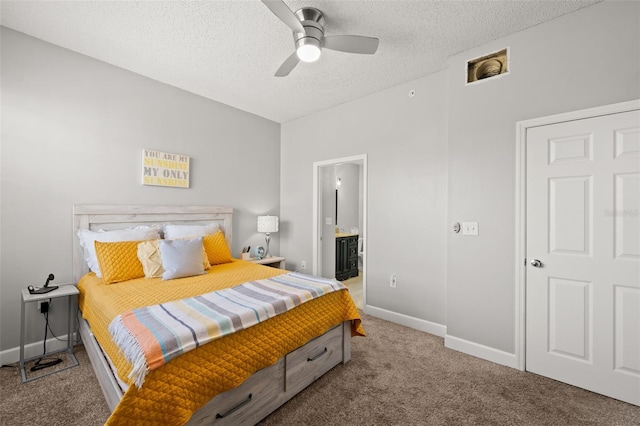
<point>455,343</point>
<point>402,319</point>
<point>481,351</point>
<point>31,350</point>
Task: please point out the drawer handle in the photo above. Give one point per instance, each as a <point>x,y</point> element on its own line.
<point>317,356</point>
<point>236,408</point>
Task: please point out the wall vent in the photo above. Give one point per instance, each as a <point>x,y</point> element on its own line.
<point>488,66</point>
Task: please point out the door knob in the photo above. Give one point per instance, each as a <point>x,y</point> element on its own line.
<point>536,263</point>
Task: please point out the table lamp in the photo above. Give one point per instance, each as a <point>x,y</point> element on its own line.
<point>267,225</point>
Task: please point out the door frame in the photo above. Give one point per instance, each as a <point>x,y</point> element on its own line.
<point>521,207</point>
<point>317,225</point>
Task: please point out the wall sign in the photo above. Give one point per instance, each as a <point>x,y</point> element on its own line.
<point>164,169</point>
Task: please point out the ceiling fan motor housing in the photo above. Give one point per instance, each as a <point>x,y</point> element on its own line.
<point>313,22</point>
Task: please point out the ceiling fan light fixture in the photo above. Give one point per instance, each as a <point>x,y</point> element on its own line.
<point>307,24</point>
<point>308,49</point>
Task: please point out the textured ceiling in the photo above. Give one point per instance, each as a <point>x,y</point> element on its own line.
<point>228,51</point>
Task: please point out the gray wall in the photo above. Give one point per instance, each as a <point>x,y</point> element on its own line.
<point>448,154</point>
<point>72,132</point>
<point>585,59</point>
<point>348,196</point>
<point>327,199</point>
<point>405,139</point>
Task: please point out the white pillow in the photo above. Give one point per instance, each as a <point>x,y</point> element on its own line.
<point>88,238</point>
<point>181,258</point>
<point>172,232</point>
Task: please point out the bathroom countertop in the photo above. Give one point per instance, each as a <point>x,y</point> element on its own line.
<point>346,234</point>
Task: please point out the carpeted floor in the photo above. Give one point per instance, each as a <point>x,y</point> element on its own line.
<point>397,376</point>
<point>401,376</point>
<point>70,397</point>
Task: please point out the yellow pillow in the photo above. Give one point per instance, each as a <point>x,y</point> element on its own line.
<point>118,261</point>
<point>217,249</point>
<point>149,257</point>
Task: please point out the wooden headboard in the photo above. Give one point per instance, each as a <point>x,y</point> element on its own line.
<point>110,217</point>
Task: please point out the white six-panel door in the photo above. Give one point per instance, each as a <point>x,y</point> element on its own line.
<point>583,253</point>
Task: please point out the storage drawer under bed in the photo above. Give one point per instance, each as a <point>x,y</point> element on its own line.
<point>271,387</point>
<point>307,363</point>
<point>248,403</point>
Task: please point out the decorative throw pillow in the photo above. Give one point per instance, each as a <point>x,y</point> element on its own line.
<point>217,249</point>
<point>181,258</point>
<point>172,232</point>
<point>87,239</point>
<point>118,261</point>
<point>151,260</point>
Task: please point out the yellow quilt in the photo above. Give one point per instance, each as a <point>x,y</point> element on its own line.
<point>171,394</point>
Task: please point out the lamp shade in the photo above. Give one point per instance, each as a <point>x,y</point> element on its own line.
<point>267,224</point>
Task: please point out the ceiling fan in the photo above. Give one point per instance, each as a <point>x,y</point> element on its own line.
<point>308,34</point>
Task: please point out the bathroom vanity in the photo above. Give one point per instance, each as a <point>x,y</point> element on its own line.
<point>346,256</point>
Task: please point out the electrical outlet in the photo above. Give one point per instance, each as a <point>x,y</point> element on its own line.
<point>303,264</point>
<point>469,228</point>
<point>44,307</point>
<point>393,281</point>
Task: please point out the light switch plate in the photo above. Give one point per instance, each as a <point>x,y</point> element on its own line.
<point>469,228</point>
<point>328,221</point>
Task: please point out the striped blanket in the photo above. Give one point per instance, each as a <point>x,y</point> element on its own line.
<point>153,335</point>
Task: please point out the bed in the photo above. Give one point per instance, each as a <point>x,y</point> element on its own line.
<point>237,379</point>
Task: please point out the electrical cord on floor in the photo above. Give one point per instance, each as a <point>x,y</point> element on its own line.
<point>48,362</point>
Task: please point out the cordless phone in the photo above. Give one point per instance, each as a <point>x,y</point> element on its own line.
<point>45,289</point>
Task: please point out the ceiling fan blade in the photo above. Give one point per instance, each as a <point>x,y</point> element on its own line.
<point>288,65</point>
<point>285,14</point>
<point>352,44</point>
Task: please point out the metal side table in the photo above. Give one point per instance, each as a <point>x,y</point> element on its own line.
<point>68,290</point>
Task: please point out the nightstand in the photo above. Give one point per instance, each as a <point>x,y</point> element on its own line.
<point>65,290</point>
<point>273,261</point>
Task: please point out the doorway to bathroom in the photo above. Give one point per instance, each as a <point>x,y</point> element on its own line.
<point>340,223</point>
